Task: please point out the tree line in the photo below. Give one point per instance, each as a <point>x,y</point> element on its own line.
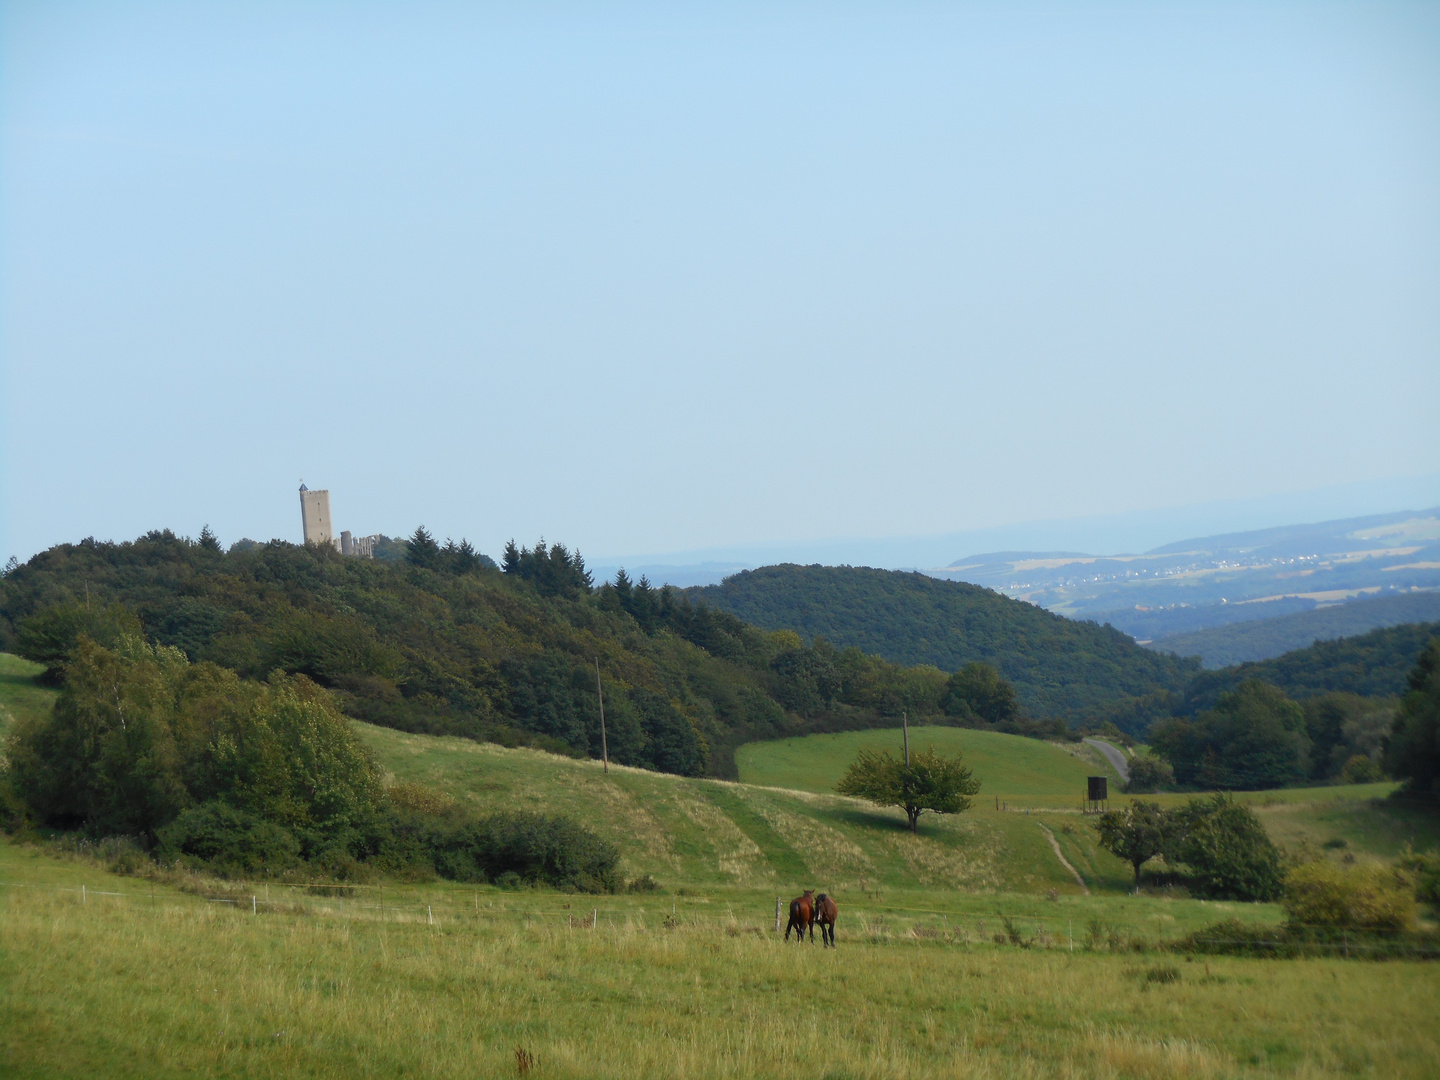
<point>444,641</point>
<point>1257,737</point>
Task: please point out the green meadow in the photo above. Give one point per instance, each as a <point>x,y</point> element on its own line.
<point>969,950</point>
<point>451,982</point>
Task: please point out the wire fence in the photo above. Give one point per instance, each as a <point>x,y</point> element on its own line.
<point>395,904</point>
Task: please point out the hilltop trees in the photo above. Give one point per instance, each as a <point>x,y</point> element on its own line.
<point>555,571</point>
<point>929,781</point>
<point>1414,750</point>
<point>424,551</point>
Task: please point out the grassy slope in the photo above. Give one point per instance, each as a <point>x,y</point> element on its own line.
<point>712,833</point>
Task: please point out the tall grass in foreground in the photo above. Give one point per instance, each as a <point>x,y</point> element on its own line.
<point>123,987</point>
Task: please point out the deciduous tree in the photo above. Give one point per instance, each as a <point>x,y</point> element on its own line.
<point>931,781</point>
<point>1136,834</point>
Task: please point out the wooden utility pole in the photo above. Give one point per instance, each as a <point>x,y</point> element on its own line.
<point>905,723</point>
<point>600,693</point>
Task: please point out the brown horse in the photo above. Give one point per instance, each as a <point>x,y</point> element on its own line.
<point>802,916</point>
<point>825,911</point>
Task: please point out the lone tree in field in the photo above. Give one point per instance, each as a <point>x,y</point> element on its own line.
<point>930,781</point>
<point>1136,834</point>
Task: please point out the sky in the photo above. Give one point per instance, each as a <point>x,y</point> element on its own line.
<point>716,278</point>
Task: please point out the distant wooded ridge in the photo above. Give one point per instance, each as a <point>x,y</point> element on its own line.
<point>1057,665</point>
<point>1264,639</point>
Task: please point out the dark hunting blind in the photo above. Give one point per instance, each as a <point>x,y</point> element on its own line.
<point>1097,794</point>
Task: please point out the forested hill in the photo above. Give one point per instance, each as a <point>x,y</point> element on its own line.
<point>1058,666</point>
<point>1371,665</point>
<point>444,642</point>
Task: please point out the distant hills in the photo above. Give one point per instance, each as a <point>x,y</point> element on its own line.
<point>1265,638</point>
<point>1059,667</point>
<point>1199,584</point>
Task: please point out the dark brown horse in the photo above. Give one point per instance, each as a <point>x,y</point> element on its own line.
<point>825,911</point>
<point>802,916</point>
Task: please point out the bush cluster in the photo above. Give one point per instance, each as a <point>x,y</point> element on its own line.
<point>1365,896</point>
<point>139,735</point>
<point>1220,845</point>
<point>505,849</point>
<point>245,779</point>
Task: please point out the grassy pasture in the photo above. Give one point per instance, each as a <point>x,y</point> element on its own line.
<point>174,985</point>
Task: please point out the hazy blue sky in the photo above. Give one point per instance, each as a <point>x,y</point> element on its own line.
<point>653,278</point>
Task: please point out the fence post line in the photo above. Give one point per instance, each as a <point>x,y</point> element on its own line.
<point>84,896</point>
<point>594,918</point>
<point>777,914</point>
<point>431,912</point>
<point>254,907</point>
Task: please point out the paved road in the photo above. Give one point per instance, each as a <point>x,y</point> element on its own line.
<point>1114,755</point>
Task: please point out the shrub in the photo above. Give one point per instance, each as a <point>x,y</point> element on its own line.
<point>1424,870</point>
<point>229,839</point>
<point>645,884</point>
<point>1226,848</point>
<point>531,847</point>
<point>419,799</point>
<point>1364,896</point>
<point>1149,774</point>
<point>1361,769</point>
<point>1234,938</point>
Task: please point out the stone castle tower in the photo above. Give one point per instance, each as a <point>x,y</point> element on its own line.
<point>315,515</point>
